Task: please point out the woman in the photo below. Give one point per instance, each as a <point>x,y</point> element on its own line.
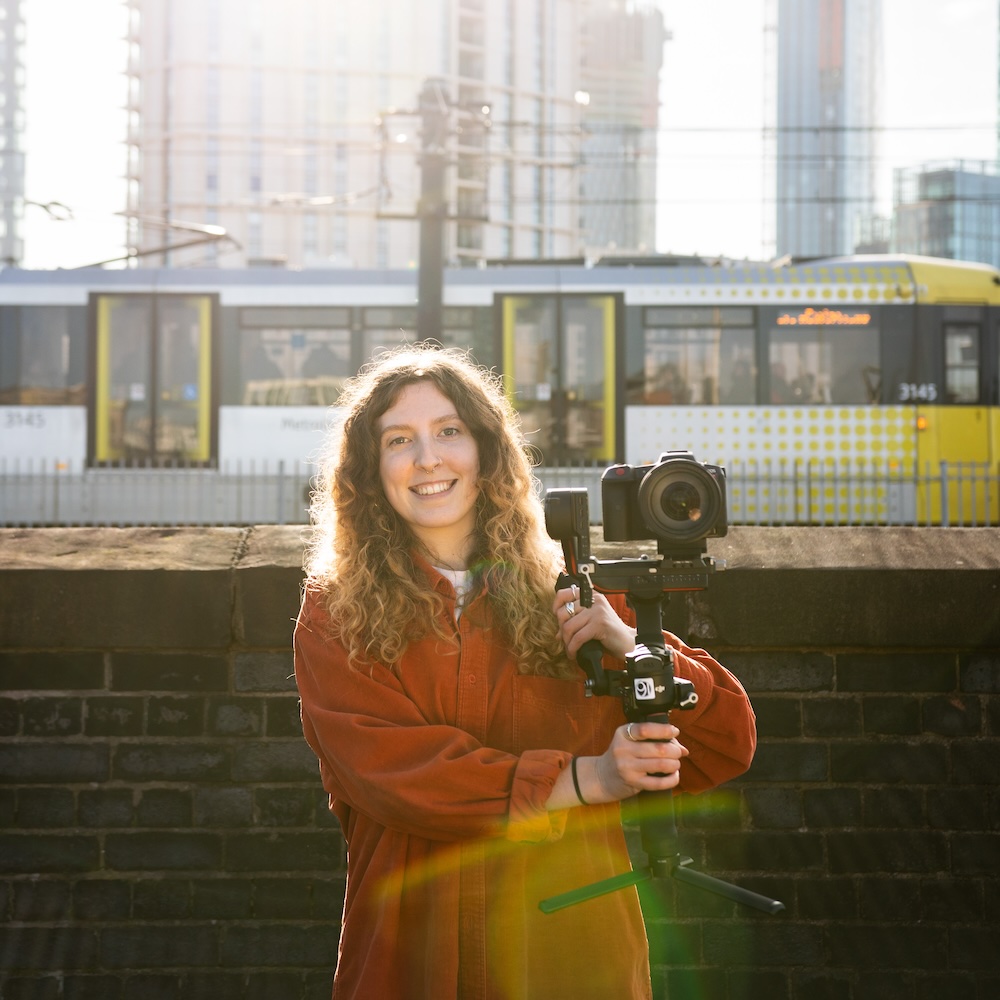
<point>470,774</point>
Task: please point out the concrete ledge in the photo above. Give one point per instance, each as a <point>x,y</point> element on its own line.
<point>206,588</point>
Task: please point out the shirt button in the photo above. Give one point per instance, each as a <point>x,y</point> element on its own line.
<point>472,678</point>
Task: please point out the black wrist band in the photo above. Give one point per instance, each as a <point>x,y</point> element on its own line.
<point>576,784</point>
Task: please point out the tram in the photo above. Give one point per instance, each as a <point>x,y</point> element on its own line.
<point>799,378</point>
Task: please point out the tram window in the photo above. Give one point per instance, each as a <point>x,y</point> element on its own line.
<point>698,366</point>
<point>961,363</point>
<point>42,355</point>
<point>822,365</point>
<point>287,367</point>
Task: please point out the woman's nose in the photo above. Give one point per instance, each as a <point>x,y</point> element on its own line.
<point>427,457</point>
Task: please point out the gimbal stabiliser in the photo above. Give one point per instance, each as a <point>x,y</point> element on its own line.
<point>647,686</point>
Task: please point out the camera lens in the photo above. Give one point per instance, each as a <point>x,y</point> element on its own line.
<point>680,501</point>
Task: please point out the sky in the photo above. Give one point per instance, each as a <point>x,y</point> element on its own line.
<point>939,103</point>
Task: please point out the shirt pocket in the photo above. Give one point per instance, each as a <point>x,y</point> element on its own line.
<point>555,714</point>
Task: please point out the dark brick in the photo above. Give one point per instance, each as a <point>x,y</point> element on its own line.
<point>264,672</point>
<point>864,946</point>
<point>829,985</point>
<point>171,762</point>
<point>152,987</point>
<point>831,717</point>
<point>887,763</point>
<point>100,987</point>
<point>764,852</point>
<point>319,985</point>
<point>52,716</point>
<point>102,899</point>
<point>52,671</point>
<point>283,718</point>
<point>106,807</point>
<point>694,982</point>
<point>284,806</point>
<point>888,900</point>
<point>175,717</point>
<point>895,716</point>
<point>957,809</point>
<point>31,988</point>
<point>763,943</point>
<point>285,760</point>
<point>778,716</point>
<point>745,984</point>
<point>40,901</point>
<point>168,672</point>
<point>53,762</point>
<point>282,852</point>
<point>10,716</point>
<point>781,671</point>
<point>48,948</point>
<point>826,898</point>
<point>34,853</point>
<point>894,985</point>
<point>832,807</point>
<point>268,985</point>
<point>975,949</point>
<point>120,715</point>
<point>974,762</point>
<point>791,762</point>
<point>953,716</point>
<point>222,899</point>
<point>288,945</point>
<point>975,853</point>
<point>718,809</point>
<point>897,851</point>
<point>328,898</point>
<point>894,807</point>
<point>979,673</point>
<point>162,851</point>
<point>153,947</point>
<point>266,604</point>
<point>216,986</point>
<point>223,807</point>
<point>282,899</point>
<point>236,717</point>
<point>951,985</point>
<point>164,807</point>
<point>952,900</point>
<point>8,808</point>
<point>896,672</point>
<point>161,899</point>
<point>45,807</point>
<point>775,808</point>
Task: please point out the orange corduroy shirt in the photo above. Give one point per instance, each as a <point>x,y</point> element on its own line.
<point>439,773</point>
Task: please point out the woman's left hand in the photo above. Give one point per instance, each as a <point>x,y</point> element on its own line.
<point>578,624</point>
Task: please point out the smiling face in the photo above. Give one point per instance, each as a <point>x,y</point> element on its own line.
<point>429,469</point>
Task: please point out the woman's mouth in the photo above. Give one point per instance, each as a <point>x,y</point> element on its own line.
<point>432,489</point>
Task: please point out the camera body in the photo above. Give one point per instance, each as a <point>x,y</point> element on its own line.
<point>678,501</point>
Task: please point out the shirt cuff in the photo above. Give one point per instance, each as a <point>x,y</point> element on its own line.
<point>529,821</point>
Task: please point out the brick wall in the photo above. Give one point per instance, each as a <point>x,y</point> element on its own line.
<point>164,834</point>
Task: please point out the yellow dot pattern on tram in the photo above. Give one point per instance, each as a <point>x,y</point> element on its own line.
<point>789,463</point>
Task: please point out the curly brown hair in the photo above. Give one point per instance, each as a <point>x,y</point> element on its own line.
<point>361,557</point>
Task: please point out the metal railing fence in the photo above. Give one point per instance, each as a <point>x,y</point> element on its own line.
<point>39,493</point>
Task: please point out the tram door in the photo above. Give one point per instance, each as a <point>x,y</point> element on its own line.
<point>559,371</point>
<point>153,379</point>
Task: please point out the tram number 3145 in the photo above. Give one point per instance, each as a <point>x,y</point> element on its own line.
<point>917,392</point>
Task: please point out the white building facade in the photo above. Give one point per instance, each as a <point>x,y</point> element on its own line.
<point>295,128</point>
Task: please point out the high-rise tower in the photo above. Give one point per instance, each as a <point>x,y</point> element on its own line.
<point>829,54</point>
<point>11,117</point>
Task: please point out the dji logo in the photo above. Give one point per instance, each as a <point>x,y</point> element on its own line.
<point>645,690</point>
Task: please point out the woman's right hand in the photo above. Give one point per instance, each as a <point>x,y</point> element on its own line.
<point>642,757</point>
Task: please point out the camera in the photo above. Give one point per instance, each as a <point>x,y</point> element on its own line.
<point>678,501</point>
